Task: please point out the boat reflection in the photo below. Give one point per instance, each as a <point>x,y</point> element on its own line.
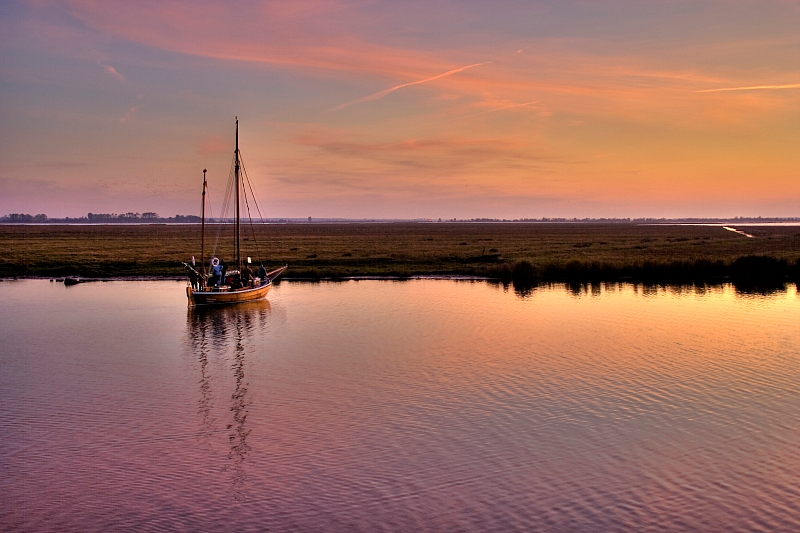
<point>220,338</point>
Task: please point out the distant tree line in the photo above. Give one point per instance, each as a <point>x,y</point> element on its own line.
<point>151,217</point>
<point>24,217</point>
<point>99,218</point>
<point>647,220</point>
<point>106,217</point>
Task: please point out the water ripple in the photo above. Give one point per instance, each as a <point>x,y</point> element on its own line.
<point>424,405</point>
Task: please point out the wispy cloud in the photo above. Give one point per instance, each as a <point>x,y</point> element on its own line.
<point>473,154</point>
<point>214,145</point>
<point>131,112</point>
<point>385,92</point>
<point>111,70</point>
<point>507,107</point>
<point>44,165</point>
<point>752,88</point>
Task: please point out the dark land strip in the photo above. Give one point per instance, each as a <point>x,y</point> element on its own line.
<point>522,253</point>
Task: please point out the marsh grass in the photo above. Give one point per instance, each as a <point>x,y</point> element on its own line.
<point>533,252</point>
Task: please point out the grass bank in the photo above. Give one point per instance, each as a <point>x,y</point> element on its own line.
<point>519,253</point>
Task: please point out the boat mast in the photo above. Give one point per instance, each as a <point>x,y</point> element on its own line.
<point>203,227</point>
<point>238,228</point>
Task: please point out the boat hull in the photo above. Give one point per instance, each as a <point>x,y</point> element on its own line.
<point>247,294</point>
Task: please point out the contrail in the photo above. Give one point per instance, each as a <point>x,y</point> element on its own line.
<point>753,88</point>
<point>479,113</point>
<point>383,93</point>
<point>507,107</point>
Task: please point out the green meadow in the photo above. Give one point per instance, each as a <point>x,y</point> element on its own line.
<point>534,251</point>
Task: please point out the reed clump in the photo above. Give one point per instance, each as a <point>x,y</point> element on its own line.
<point>748,273</point>
<point>751,267</point>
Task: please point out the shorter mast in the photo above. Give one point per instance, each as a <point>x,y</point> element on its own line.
<point>203,228</point>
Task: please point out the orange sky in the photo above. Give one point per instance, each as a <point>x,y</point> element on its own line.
<point>403,109</point>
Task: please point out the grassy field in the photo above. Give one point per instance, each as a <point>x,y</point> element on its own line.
<point>502,250</point>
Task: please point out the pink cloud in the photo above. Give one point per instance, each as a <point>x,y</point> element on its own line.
<point>753,88</point>
<point>131,112</point>
<point>324,38</point>
<point>111,70</point>
<point>215,145</point>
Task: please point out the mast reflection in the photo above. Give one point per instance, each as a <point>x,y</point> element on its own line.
<point>227,335</point>
<point>237,432</point>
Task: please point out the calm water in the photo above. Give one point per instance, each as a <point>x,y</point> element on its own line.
<point>398,406</point>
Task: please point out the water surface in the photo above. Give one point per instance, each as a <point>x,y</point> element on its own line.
<point>396,406</point>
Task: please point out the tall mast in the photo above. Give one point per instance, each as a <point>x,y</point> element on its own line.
<point>238,228</point>
<point>203,227</point>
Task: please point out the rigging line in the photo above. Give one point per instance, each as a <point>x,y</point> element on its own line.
<point>208,205</point>
<point>250,220</point>
<point>209,208</point>
<point>246,180</point>
<point>209,212</point>
<point>255,200</point>
<point>224,212</point>
<point>249,184</point>
<point>225,204</point>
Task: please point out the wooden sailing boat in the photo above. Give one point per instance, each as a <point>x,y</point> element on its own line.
<point>223,286</point>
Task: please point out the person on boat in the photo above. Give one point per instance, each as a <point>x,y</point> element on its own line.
<point>201,271</point>
<point>262,273</point>
<point>216,272</point>
<point>223,270</point>
<point>246,276</point>
<point>194,277</point>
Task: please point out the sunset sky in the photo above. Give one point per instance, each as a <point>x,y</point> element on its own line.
<point>403,109</point>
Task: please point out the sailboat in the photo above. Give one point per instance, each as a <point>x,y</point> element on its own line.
<point>220,285</point>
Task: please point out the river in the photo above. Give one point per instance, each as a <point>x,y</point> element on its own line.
<point>423,405</point>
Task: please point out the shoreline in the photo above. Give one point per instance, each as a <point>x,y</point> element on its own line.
<point>82,279</point>
<point>520,284</point>
<point>521,287</point>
